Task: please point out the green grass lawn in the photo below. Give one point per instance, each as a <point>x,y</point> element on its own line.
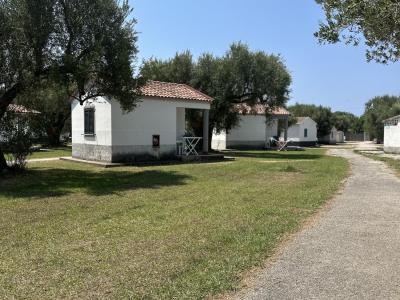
<point>52,152</point>
<point>183,231</point>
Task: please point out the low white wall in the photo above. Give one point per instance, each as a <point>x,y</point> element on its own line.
<point>392,139</point>
<point>218,140</point>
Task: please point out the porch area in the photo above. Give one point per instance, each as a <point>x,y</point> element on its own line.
<point>192,134</point>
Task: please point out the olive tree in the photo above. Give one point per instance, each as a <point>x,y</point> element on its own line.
<point>87,46</point>
<point>374,23</point>
<point>239,76</point>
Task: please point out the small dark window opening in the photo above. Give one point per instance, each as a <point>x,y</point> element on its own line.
<point>305,132</point>
<point>156,141</point>
<point>89,121</point>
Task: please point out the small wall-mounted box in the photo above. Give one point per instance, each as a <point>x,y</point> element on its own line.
<point>156,141</point>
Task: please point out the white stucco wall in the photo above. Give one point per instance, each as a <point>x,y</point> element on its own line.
<point>340,137</point>
<point>296,131</point>
<point>252,131</point>
<point>180,122</point>
<point>272,129</point>
<point>151,116</point>
<point>250,128</point>
<point>102,121</point>
<point>392,139</point>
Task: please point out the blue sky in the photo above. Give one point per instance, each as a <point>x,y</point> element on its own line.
<point>333,75</point>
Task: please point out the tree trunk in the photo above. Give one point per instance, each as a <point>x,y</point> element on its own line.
<point>53,136</point>
<point>5,100</point>
<point>210,135</point>
<point>3,162</point>
<point>8,97</point>
<point>55,128</point>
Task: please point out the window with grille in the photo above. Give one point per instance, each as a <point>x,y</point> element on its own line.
<point>89,121</point>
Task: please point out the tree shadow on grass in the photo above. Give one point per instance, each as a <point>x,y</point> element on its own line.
<point>275,155</point>
<point>60,182</point>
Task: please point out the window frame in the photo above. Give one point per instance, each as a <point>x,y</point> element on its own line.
<point>88,131</point>
<point>305,132</point>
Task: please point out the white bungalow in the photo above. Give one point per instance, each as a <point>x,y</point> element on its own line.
<point>392,135</point>
<point>253,130</point>
<point>334,137</point>
<point>330,138</point>
<point>303,132</point>
<point>154,130</point>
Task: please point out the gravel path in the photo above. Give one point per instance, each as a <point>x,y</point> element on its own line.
<point>42,159</point>
<point>351,252</point>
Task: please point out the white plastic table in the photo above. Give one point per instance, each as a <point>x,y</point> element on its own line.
<point>189,145</point>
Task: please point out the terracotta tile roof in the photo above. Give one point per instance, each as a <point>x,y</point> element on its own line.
<point>300,120</point>
<point>21,109</point>
<point>260,109</point>
<point>173,91</point>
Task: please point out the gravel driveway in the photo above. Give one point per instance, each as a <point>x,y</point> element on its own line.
<point>351,252</point>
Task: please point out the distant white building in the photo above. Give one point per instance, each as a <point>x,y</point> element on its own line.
<point>330,138</point>
<point>303,132</point>
<point>154,130</point>
<point>392,135</point>
<point>253,130</point>
<point>340,137</point>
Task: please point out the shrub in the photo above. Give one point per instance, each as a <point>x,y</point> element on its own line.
<point>16,138</point>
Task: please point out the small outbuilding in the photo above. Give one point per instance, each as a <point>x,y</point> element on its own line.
<point>303,132</point>
<point>392,135</point>
<point>340,137</point>
<point>254,129</point>
<point>154,130</point>
<point>330,138</point>
<point>334,137</point>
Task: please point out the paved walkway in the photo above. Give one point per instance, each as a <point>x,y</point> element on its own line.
<point>42,159</point>
<point>351,252</point>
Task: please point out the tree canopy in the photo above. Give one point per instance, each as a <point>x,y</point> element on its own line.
<point>54,105</point>
<point>87,46</point>
<point>347,122</point>
<point>239,76</point>
<point>178,69</point>
<point>375,23</point>
<point>377,110</point>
